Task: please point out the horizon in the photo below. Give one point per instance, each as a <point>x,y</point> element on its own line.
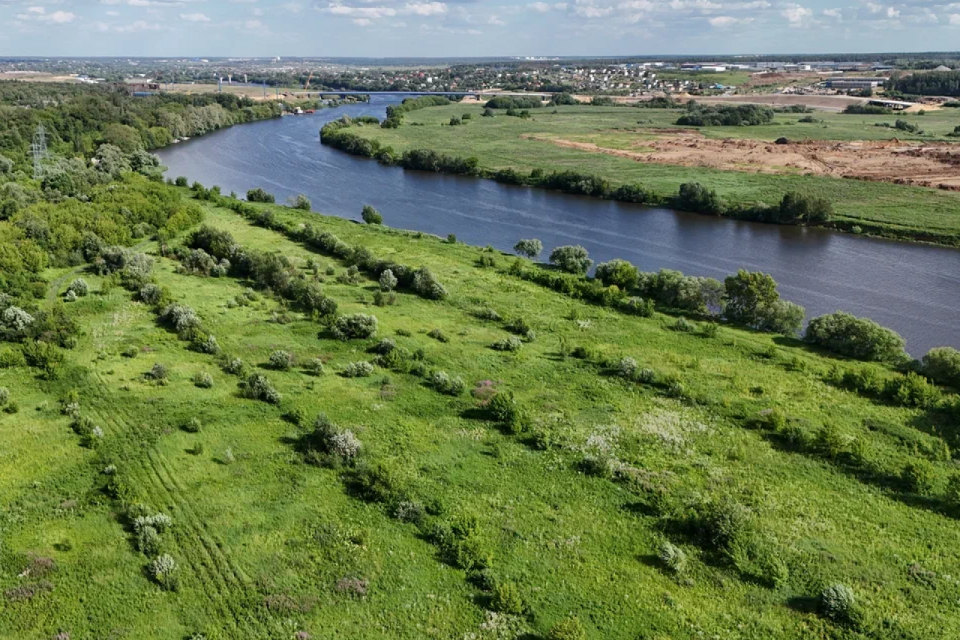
<point>458,28</point>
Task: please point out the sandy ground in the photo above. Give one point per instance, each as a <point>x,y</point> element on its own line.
<point>824,103</point>
<point>928,165</point>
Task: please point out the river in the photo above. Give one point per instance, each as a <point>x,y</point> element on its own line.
<point>911,288</point>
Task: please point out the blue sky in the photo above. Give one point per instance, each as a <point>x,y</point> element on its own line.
<point>471,28</point>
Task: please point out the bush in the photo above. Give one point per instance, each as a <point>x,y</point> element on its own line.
<point>567,629</point>
<point>164,571</point>
<point>700,115</point>
<point>356,326</point>
<point>695,197</point>
<point>445,384</point>
<point>79,287</point>
<point>193,425</point>
<point>571,258</point>
<point>627,368</point>
<point>257,387</point>
<point>426,285</point>
<point>371,215</point>
<point>637,306</point>
<point>619,273</point>
<point>281,360</point>
<point>158,373</point>
<point>259,195</point>
<point>506,598</point>
<point>918,477</point>
<point>151,294</point>
<point>859,338</point>
<point>358,370</point>
<point>300,202</point>
<point>512,343</point>
<point>505,411</point>
<point>912,390</point>
<point>388,281</point>
<point>942,365</point>
<point>344,445</point>
<point>438,335</point>
<point>837,603</point>
<point>203,380</point>
<point>672,557</point>
<point>530,248</point>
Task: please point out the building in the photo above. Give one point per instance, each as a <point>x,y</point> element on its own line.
<point>855,83</point>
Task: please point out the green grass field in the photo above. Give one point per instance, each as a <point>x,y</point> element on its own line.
<point>268,545</point>
<point>502,142</point>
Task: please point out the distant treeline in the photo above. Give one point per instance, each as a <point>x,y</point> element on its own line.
<point>395,111</point>
<point>933,83</point>
<point>794,208</point>
<point>700,115</point>
<point>78,119</point>
<point>514,102</point>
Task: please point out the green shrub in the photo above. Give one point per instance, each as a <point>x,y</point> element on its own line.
<point>837,603</point>
<point>164,571</point>
<point>281,360</point>
<point>567,629</point>
<point>371,215</point>
<point>912,390</point>
<point>637,306</point>
<point>942,365</point>
<point>627,368</point>
<point>531,248</point>
<point>203,380</point>
<point>438,334</point>
<point>858,338</point>
<point>506,598</point>
<point>259,195</point>
<point>79,287</point>
<point>511,343</point>
<point>359,369</point>
<point>672,557</point>
<point>504,410</point>
<point>257,387</point>
<point>193,425</point>
<point>918,477</point>
<point>388,282</point>
<point>445,384</point>
<point>357,325</point>
<point>571,258</point>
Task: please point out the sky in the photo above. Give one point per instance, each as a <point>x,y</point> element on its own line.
<point>385,28</point>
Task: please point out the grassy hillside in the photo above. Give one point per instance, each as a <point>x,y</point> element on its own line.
<point>447,513</point>
<point>525,144</point>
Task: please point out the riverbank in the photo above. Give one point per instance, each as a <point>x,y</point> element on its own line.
<point>611,143</point>
<point>616,446</point>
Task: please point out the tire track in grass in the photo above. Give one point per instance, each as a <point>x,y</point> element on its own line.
<point>218,578</point>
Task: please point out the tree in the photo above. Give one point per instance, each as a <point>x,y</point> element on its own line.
<point>797,208</point>
<point>455,121</point>
<point>259,195</point>
<point>859,338</point>
<point>571,258</point>
<point>371,215</point>
<point>301,202</point>
<point>123,136</point>
<point>111,160</point>
<point>618,272</point>
<point>693,196</point>
<point>942,364</point>
<point>748,295</point>
<point>530,248</point>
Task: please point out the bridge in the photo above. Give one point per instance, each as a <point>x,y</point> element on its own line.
<point>477,94</point>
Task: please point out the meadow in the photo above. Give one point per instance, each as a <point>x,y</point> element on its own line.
<point>718,496</point>
<point>524,144</point>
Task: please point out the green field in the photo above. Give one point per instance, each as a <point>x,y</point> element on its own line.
<point>524,144</point>
<point>268,545</point>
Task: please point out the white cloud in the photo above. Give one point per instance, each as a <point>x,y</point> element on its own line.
<point>955,18</point>
<point>194,17</point>
<point>425,8</point>
<point>795,14</point>
<point>363,22</point>
<point>136,27</point>
<point>543,7</point>
<point>495,20</point>
<point>723,22</point>
<point>833,13</point>
<point>39,14</point>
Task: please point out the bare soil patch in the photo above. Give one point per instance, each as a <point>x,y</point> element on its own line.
<point>927,165</point>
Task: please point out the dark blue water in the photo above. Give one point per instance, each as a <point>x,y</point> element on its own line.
<point>914,289</point>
